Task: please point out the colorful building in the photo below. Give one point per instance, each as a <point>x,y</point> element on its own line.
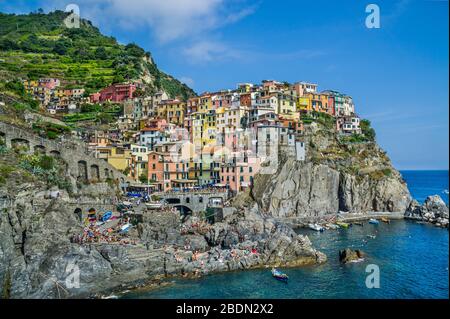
<point>115,93</point>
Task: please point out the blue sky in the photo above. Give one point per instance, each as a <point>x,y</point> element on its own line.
<point>397,75</point>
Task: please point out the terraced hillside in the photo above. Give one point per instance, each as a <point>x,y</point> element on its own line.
<point>40,45</point>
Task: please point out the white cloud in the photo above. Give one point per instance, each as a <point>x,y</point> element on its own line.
<point>207,51</point>
<point>168,19</point>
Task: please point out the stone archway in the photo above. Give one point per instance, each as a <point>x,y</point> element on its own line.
<point>40,149</point>
<point>82,170</point>
<point>55,153</point>
<point>95,172</point>
<point>79,212</point>
<point>185,211</point>
<point>20,144</point>
<point>106,173</point>
<point>2,138</point>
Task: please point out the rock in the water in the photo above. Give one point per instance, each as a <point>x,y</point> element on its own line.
<point>348,255</point>
<point>433,211</point>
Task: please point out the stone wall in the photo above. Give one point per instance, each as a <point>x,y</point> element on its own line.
<point>81,164</point>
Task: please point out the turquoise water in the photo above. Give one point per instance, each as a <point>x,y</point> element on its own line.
<point>412,258</point>
<point>424,183</point>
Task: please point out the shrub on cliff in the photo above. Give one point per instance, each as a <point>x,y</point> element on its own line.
<point>367,130</point>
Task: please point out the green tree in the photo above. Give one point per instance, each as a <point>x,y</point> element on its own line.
<point>143,179</point>
<point>101,54</point>
<point>367,130</point>
<point>61,47</point>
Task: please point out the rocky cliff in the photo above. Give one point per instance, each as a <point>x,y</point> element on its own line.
<point>37,255</point>
<point>338,175</point>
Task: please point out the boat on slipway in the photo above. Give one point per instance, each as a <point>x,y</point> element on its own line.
<point>343,225</point>
<point>316,227</point>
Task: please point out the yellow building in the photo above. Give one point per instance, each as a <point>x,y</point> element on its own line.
<point>205,103</point>
<point>197,130</point>
<point>304,104</point>
<point>173,111</point>
<point>287,106</point>
<point>119,157</point>
<point>209,129</point>
<point>176,111</point>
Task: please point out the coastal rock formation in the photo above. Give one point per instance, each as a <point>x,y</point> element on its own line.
<point>434,211</point>
<point>335,176</point>
<point>308,190</point>
<point>37,256</point>
<point>35,249</point>
<point>348,255</point>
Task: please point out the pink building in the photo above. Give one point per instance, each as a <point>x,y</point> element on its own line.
<point>95,98</point>
<point>50,84</point>
<point>114,93</point>
<point>239,176</point>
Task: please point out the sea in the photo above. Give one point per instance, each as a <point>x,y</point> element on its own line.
<point>404,260</point>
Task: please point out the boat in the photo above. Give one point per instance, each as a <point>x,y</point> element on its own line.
<point>342,224</point>
<point>371,236</point>
<point>153,205</point>
<point>125,228</point>
<point>278,275</point>
<point>106,216</point>
<point>358,223</point>
<point>385,220</point>
<point>373,221</point>
<point>315,227</point>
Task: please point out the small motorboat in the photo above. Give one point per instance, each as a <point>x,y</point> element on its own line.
<point>373,221</point>
<point>332,226</point>
<point>106,216</point>
<point>343,225</point>
<point>278,275</point>
<point>153,205</point>
<point>371,236</point>
<point>316,227</point>
<point>125,228</point>
<point>385,220</point>
<point>358,223</point>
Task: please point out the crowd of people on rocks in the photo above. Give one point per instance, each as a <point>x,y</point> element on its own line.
<point>104,228</point>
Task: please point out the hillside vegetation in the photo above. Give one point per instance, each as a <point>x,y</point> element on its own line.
<point>40,45</point>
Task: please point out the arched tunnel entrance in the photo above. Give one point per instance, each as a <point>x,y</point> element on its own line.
<point>185,211</point>
<point>79,213</point>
